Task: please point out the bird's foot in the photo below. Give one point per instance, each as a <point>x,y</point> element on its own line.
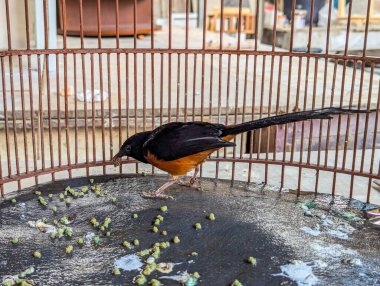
<point>158,194</point>
<point>155,195</point>
<point>193,183</point>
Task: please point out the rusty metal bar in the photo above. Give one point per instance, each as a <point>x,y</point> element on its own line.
<point>187,51</point>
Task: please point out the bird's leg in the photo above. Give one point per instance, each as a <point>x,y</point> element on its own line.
<point>159,192</point>
<point>194,177</point>
<point>193,180</point>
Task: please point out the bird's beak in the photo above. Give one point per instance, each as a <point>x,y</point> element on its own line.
<point>116,160</point>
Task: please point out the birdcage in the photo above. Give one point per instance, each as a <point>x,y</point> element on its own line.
<point>171,77</point>
<point>70,98</point>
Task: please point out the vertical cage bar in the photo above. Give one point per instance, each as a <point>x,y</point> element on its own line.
<point>194,84</point>
<point>21,71</point>
<point>93,108</point>
<point>288,91</point>
<point>5,103</point>
<point>110,111</point>
<point>40,112</point>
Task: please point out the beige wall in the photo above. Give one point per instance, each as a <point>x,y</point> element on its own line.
<point>18,26</point>
<point>17,23</point>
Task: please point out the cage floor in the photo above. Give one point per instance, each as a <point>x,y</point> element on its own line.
<point>309,241</point>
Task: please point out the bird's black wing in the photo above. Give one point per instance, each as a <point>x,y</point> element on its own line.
<point>177,140</point>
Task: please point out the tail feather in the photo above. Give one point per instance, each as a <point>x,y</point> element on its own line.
<point>325,113</point>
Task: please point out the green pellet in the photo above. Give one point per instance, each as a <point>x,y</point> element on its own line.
<point>149,269</point>
<point>37,254</point>
<point>164,208</point>
<point>143,252</point>
<point>53,235</point>
<point>164,232</point>
<point>140,280</point>
<point>50,196</point>
<point>80,241</point>
<point>135,215</point>
<point>157,222</point>
<point>252,260</point>
<point>25,283</point>
<point>211,216</point>
<point>69,249</point>
<point>68,201</point>
<point>164,245</point>
<point>108,233</point>
<point>154,282</point>
<point>116,271</point>
<point>13,201</point>
<point>160,217</point>
<point>196,275</point>
<point>64,220</point>
<point>102,228</point>
<point>236,283</point>
<point>55,209</point>
<point>92,181</point>
<point>61,196</point>
<point>194,253</point>
<point>42,201</point>
<point>68,188</point>
<point>155,229</point>
<point>198,226</point>
<point>156,255</point>
<point>136,242</point>
<point>176,239</point>
<point>92,188</point>
<point>96,240</point>
<point>68,232</point>
<point>60,232</point>
<point>84,189</point>
<point>38,193</point>
<point>113,199</point>
<point>156,249</point>
<point>126,244</point>
<point>14,240</point>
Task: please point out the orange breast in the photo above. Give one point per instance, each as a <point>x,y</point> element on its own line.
<point>182,166</point>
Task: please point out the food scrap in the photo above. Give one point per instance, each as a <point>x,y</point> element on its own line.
<point>176,239</point>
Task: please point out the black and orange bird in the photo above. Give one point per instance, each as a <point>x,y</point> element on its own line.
<point>180,147</point>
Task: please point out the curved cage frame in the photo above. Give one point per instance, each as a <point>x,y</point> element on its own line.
<point>51,136</point>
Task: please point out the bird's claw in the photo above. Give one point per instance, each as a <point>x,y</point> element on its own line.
<point>154,195</point>
<point>193,181</point>
<point>191,185</point>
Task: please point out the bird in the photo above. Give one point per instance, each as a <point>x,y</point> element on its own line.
<point>180,147</point>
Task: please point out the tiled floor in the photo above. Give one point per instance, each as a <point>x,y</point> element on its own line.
<point>224,81</point>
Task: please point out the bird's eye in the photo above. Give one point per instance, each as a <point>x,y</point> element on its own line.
<point>128,148</point>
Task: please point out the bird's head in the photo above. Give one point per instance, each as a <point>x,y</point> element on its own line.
<point>132,147</point>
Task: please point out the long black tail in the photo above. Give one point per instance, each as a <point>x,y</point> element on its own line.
<point>324,113</point>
